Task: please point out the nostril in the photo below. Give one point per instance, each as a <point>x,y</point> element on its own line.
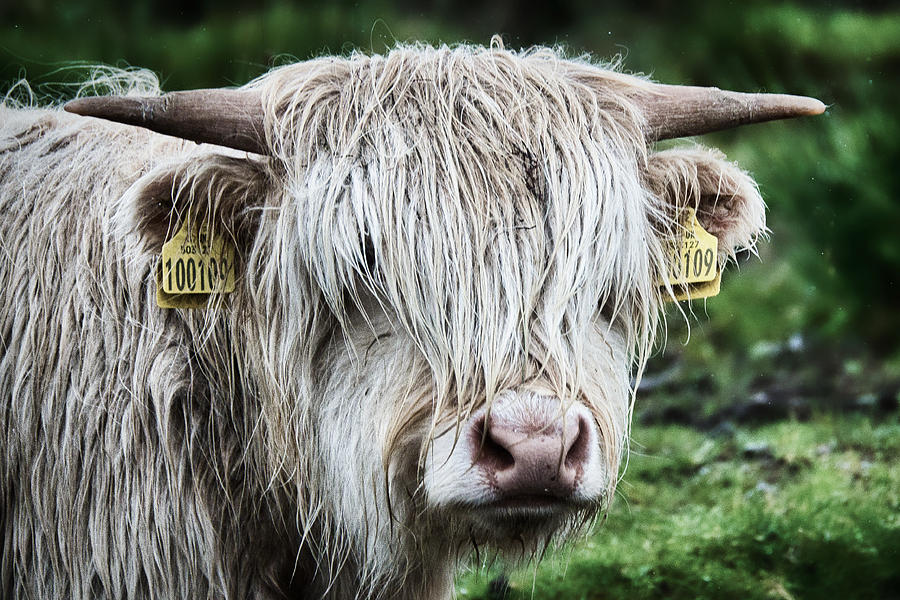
<point>488,451</point>
<point>577,453</point>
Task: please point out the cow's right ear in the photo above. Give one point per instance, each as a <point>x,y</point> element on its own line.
<point>224,192</point>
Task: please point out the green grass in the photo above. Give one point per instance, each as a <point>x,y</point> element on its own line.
<point>791,510</point>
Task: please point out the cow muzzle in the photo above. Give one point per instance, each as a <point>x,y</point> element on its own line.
<point>527,455</point>
<point>533,453</point>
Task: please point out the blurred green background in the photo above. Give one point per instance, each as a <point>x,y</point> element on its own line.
<point>766,448</point>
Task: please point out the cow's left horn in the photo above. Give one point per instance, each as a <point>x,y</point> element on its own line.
<point>680,110</point>
<point>232,118</point>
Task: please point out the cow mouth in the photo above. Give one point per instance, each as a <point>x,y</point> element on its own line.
<point>529,503</point>
<point>524,512</point>
<point>518,525</point>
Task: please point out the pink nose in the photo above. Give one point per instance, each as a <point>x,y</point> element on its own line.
<point>532,455</point>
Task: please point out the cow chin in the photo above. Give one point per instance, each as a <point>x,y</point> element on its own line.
<point>513,475</point>
<point>517,532</point>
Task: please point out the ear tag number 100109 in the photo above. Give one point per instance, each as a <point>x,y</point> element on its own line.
<point>693,269</point>
<point>193,266</point>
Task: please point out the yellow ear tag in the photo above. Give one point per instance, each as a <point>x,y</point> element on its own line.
<point>193,266</point>
<point>693,270</point>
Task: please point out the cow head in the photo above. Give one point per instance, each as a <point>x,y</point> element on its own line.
<point>450,267</point>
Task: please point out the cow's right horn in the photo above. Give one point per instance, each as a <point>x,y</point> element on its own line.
<point>232,118</point>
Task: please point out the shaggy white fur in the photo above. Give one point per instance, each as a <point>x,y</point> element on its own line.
<point>435,227</point>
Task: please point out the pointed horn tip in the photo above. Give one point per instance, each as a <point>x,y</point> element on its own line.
<point>800,106</point>
<point>792,105</point>
<point>813,106</point>
<point>79,106</point>
<point>785,106</point>
<point>99,106</point>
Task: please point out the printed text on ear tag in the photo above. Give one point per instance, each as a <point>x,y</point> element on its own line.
<point>193,266</point>
<point>693,267</point>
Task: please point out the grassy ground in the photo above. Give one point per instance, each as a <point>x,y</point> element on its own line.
<point>788,510</point>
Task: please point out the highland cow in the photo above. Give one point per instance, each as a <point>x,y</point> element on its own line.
<point>449,266</point>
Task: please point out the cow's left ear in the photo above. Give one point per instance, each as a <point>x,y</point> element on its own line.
<point>725,197</point>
